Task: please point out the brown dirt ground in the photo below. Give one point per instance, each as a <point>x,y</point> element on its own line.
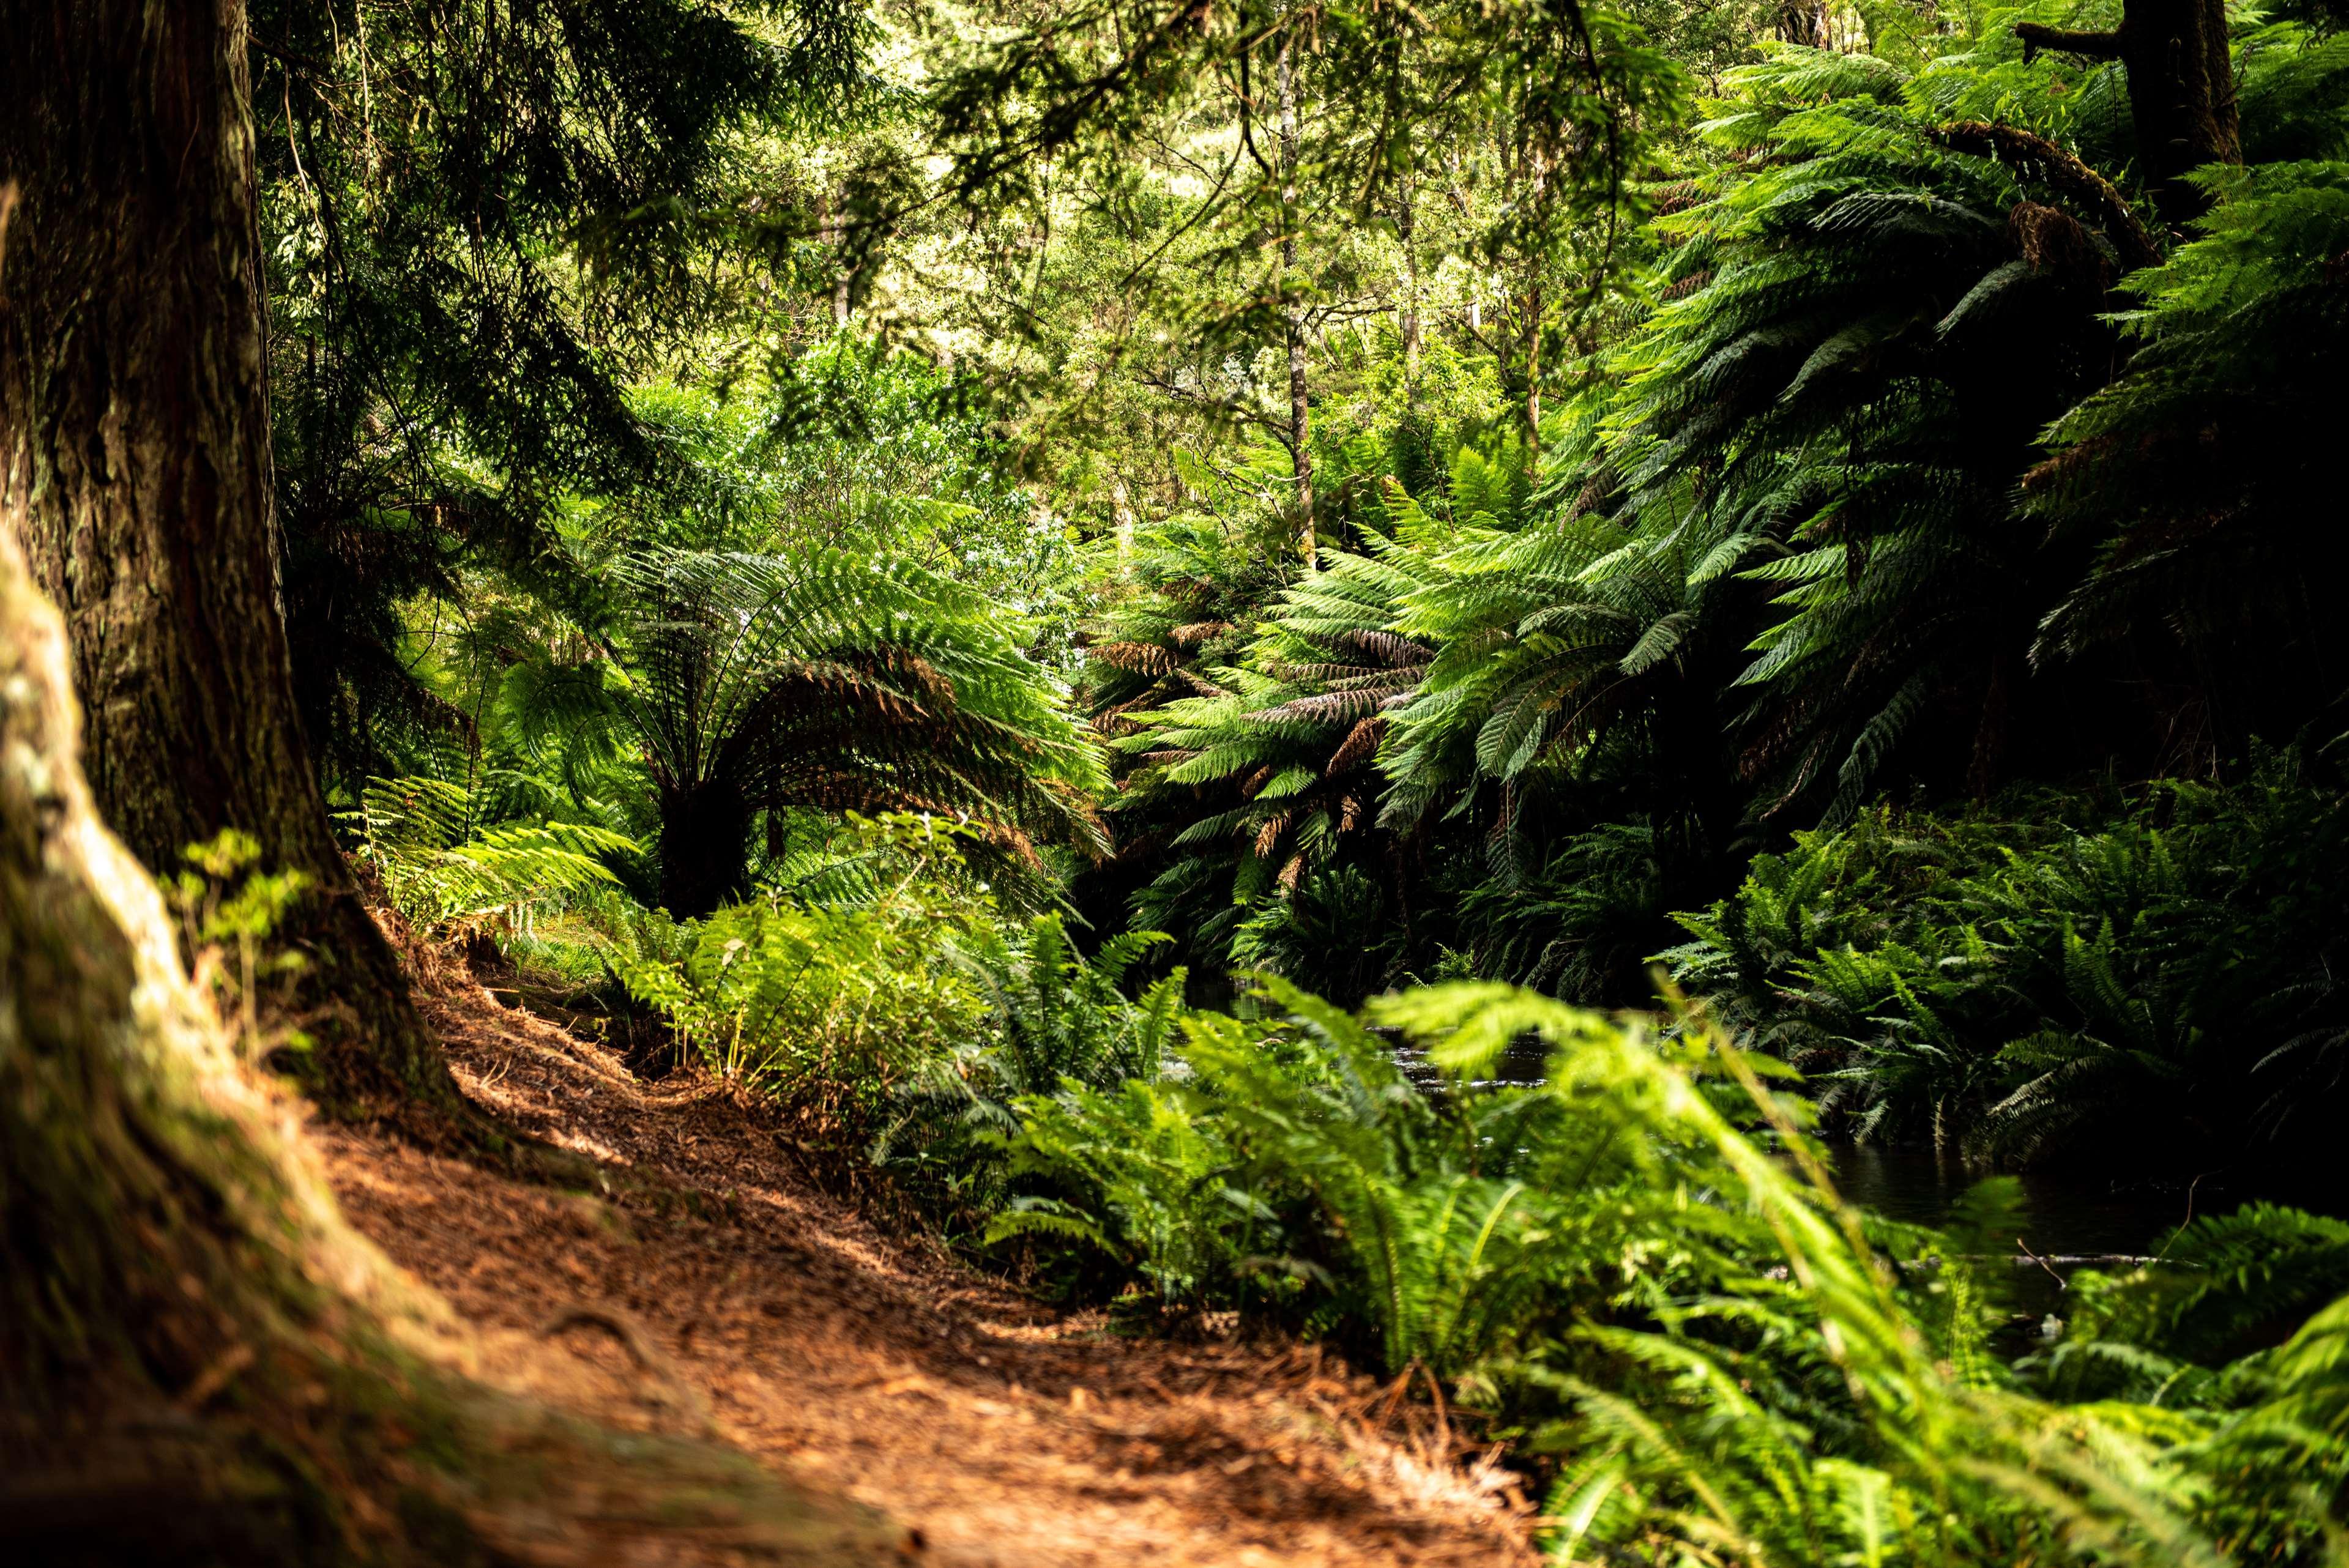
<point>719,1291</point>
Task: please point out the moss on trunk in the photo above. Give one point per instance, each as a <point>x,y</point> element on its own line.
<point>135,471</point>
<point>199,1362</point>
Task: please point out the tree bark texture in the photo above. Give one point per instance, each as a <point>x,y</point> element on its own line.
<point>1803,22</point>
<point>135,470</point>
<point>199,1363</point>
<point>2181,87</point>
<point>160,1248</point>
<point>1123,518</point>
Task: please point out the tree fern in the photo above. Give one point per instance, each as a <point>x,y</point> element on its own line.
<point>757,684</point>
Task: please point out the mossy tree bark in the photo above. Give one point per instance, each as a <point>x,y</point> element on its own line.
<point>199,1363</point>
<point>135,470</point>
<point>163,1258</point>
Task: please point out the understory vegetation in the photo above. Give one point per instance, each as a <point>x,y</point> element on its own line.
<point>1376,675</point>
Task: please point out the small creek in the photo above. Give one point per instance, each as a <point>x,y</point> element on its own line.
<point>2067,1214</point>
<point>2063,1215</point>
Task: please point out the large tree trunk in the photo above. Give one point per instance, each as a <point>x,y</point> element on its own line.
<point>135,469</point>
<point>2181,84</point>
<point>199,1363</point>
<point>153,1246</point>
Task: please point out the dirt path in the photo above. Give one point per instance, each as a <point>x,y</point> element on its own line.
<point>725,1295</point>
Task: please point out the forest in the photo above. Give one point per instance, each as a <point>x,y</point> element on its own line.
<point>1203,781</point>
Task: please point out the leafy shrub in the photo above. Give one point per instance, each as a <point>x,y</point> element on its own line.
<point>1583,925</point>
<point>829,1006</point>
<point>1147,1182</point>
<point>1333,934</point>
<point>2226,1285</point>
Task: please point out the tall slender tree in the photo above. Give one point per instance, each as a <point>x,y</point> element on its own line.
<point>1292,315</point>
<point>135,473</point>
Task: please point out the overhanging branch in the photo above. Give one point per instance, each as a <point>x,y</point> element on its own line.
<point>2089,46</point>
<point>2037,159</point>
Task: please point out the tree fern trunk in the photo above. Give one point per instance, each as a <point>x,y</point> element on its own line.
<point>2181,87</point>
<point>135,469</point>
<point>1533,371</point>
<point>703,848</point>
<point>2181,95</point>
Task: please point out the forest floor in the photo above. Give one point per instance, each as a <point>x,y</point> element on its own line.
<point>720,1292</point>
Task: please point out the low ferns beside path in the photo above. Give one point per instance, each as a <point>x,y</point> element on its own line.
<point>1642,1266</point>
<point>449,873</point>
<point>830,1002</point>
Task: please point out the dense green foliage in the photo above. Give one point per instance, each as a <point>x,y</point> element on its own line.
<point>477,223</point>
<point>1642,1264</point>
<point>2029,986</point>
<point>830,995</point>
<point>1865,494</point>
<point>921,554</point>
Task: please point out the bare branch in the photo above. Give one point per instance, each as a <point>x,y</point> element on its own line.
<point>2089,46</point>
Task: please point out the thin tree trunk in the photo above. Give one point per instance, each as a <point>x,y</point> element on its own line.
<point>135,470</point>
<point>1121,501</point>
<point>1292,319</point>
<point>2181,85</point>
<point>1406,231</point>
<point>828,233</point>
<point>1536,175</point>
<point>1533,371</point>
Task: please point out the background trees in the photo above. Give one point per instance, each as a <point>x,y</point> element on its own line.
<point>1494,508</point>
<point>480,226</point>
<point>1865,545</point>
<point>1838,499</point>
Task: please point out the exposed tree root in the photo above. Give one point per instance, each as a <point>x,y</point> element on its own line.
<point>199,1362</point>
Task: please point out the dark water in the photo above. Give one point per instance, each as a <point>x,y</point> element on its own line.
<point>2062,1217</point>
<point>1526,1061</point>
<point>2068,1215</point>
